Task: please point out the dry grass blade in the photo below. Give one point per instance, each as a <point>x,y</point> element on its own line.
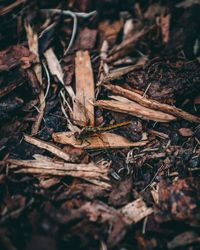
<point>149,103</point>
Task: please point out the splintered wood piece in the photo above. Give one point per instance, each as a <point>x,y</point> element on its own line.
<point>83,110</point>
<point>103,140</point>
<point>135,211</point>
<point>50,147</point>
<point>56,70</point>
<point>135,109</point>
<point>149,103</point>
<point>96,174</point>
<point>34,48</point>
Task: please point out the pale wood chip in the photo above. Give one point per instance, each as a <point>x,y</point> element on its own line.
<point>103,140</point>
<point>150,103</point>
<point>135,211</point>
<point>83,110</point>
<point>96,174</point>
<point>132,108</point>
<point>50,147</point>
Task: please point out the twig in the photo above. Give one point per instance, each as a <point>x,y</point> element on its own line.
<point>160,168</point>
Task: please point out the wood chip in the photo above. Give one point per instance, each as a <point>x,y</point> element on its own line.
<point>83,110</point>
<point>34,48</point>
<point>48,167</point>
<point>185,132</point>
<point>50,148</point>
<point>56,70</point>
<point>135,109</point>
<point>150,103</point>
<point>135,211</point>
<point>103,140</point>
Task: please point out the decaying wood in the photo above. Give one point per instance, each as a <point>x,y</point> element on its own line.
<point>103,140</point>
<point>47,166</point>
<point>149,103</point>
<point>131,213</point>
<point>132,108</point>
<point>50,148</point>
<point>135,211</point>
<point>83,110</point>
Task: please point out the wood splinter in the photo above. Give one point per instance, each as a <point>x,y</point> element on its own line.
<point>83,109</point>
